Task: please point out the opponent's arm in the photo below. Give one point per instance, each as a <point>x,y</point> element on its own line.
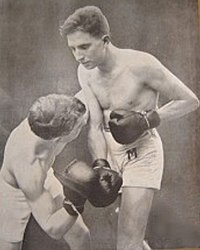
<point>99,184</point>
<point>96,141</point>
<point>77,179</point>
<point>181,99</point>
<point>55,222</point>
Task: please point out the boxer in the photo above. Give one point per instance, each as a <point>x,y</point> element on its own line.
<point>28,184</point>
<point>121,89</point>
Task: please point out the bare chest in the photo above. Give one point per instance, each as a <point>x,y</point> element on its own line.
<point>123,90</point>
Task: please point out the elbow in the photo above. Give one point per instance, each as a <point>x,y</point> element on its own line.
<point>53,233</point>
<point>194,103</point>
<point>197,103</point>
<point>55,236</point>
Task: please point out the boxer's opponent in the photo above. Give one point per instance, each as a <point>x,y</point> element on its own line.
<point>28,185</point>
<point>122,88</point>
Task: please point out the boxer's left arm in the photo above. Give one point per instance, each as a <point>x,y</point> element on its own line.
<point>96,141</point>
<point>181,99</point>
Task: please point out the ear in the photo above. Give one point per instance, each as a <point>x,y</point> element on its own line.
<point>106,38</point>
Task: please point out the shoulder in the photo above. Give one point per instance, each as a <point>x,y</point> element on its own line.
<point>81,70</point>
<point>22,141</point>
<point>144,64</point>
<point>83,75</point>
<point>19,139</point>
<point>140,58</point>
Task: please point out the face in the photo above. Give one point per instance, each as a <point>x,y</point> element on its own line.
<point>81,122</point>
<point>87,50</point>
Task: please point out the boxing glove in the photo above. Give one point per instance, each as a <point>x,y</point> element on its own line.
<point>105,190</point>
<point>127,126</point>
<point>77,180</point>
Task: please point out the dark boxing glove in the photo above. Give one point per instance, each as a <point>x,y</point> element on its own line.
<point>127,126</point>
<point>105,190</point>
<point>77,180</point>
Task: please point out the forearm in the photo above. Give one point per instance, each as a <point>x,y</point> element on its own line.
<point>177,108</point>
<point>59,223</point>
<point>54,221</point>
<point>97,143</point>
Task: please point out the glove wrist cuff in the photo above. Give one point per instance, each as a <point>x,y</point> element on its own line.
<point>144,113</point>
<point>70,208</point>
<point>100,163</point>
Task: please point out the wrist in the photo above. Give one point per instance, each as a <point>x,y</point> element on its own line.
<point>146,120</point>
<point>101,163</point>
<point>151,118</point>
<point>70,208</point>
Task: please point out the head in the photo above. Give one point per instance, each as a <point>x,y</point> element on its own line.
<point>88,33</point>
<point>88,19</point>
<point>55,116</point>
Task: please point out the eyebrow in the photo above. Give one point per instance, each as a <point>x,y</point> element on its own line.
<point>80,45</point>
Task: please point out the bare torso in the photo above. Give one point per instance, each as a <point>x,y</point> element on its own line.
<point>27,159</point>
<point>125,87</point>
<point>24,149</point>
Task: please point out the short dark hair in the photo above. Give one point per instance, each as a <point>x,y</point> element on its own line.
<point>54,115</point>
<point>88,19</point>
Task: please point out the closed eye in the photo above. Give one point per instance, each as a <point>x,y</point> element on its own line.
<point>72,48</point>
<point>84,46</point>
<point>80,47</point>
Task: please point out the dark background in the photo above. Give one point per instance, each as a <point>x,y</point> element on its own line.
<point>35,61</point>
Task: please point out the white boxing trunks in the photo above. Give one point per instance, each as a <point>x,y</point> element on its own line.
<point>140,163</point>
<point>15,210</point>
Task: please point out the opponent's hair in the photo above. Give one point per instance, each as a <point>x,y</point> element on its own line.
<point>54,115</point>
<point>88,19</point>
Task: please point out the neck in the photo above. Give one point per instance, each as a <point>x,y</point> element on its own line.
<point>109,62</point>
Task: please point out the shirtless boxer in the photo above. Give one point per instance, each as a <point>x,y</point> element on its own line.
<point>27,182</point>
<point>116,83</point>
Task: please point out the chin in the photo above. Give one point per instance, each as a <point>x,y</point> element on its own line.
<point>89,66</point>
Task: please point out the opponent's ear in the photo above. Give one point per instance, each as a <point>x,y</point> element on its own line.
<point>106,38</point>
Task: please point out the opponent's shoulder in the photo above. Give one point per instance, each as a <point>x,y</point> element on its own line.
<point>22,142</point>
<point>16,140</point>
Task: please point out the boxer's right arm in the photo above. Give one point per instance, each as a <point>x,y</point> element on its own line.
<point>96,140</point>
<point>54,221</point>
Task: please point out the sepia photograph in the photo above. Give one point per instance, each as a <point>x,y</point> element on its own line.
<point>99,125</point>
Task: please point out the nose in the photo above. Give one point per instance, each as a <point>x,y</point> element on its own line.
<point>78,55</point>
<point>86,116</point>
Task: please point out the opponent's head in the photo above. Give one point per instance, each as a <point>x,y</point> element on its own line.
<point>88,34</point>
<point>88,19</point>
<point>56,115</point>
